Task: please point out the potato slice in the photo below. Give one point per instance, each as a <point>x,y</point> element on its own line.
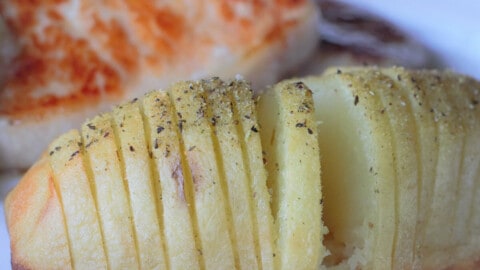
<point>396,105</point>
<point>463,93</point>
<point>81,216</point>
<point>289,138</point>
<point>173,188</point>
<point>357,170</point>
<point>28,246</point>
<point>427,149</point>
<point>245,113</point>
<point>135,159</point>
<point>208,198</point>
<point>114,212</point>
<point>450,142</point>
<point>232,169</point>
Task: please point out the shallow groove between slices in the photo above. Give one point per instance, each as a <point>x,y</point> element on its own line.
<point>127,187</point>
<point>449,151</point>
<point>455,95</point>
<point>89,172</point>
<point>128,126</point>
<point>232,170</point>
<point>216,244</point>
<point>155,180</point>
<point>426,151</point>
<point>174,187</point>
<point>245,113</point>
<point>406,159</point>
<point>224,181</point>
<point>83,226</point>
<point>59,195</point>
<point>110,193</point>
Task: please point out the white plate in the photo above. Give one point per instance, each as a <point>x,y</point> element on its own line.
<point>449,28</point>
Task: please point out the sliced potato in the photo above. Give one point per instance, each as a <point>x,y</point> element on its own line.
<point>357,170</point>
<point>245,113</point>
<point>173,188</point>
<point>114,212</point>
<point>81,216</point>
<point>289,139</point>
<point>427,149</point>
<point>232,169</point>
<point>463,93</point>
<point>208,198</point>
<point>396,105</point>
<point>450,142</point>
<point>28,246</point>
<point>128,126</point>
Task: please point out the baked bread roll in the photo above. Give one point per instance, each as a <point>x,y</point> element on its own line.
<point>63,62</point>
<point>359,168</point>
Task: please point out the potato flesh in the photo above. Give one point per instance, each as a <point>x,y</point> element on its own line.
<point>111,193</point>
<point>37,189</point>
<point>174,189</point>
<point>289,138</point>
<point>354,138</point>
<point>81,216</point>
<point>427,150</point>
<point>129,129</point>
<point>245,113</point>
<point>233,171</point>
<point>209,201</point>
<point>404,142</point>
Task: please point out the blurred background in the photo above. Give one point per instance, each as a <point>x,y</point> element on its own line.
<point>450,28</point>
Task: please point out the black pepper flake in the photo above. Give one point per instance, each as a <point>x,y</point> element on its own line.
<point>106,134</point>
<point>214,121</point>
<point>191,148</point>
<point>134,100</point>
<point>371,169</point>
<point>247,116</point>
<point>160,129</point>
<point>180,124</point>
<point>156,144</point>
<point>91,126</point>
<point>474,102</point>
<point>74,154</point>
<point>355,102</point>
<point>58,148</point>
<point>299,125</point>
<point>310,131</point>
<point>51,153</point>
<point>132,149</point>
<point>399,77</point>
<point>299,85</point>
<point>254,129</point>
<point>339,71</point>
